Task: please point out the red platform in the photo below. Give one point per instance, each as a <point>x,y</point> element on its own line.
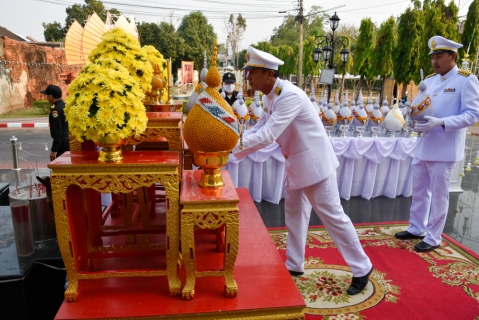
<point>266,290</point>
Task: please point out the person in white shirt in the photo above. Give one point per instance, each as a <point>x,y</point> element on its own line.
<point>290,119</point>
<point>454,96</point>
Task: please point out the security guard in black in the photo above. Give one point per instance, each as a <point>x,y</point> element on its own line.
<point>227,91</point>
<point>58,123</point>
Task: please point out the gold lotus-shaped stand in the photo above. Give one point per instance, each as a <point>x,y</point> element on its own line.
<point>211,163</point>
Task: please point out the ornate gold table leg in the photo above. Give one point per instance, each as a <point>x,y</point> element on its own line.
<point>64,237</point>
<point>172,186</point>
<point>231,251</point>
<point>188,252</point>
<point>71,293</point>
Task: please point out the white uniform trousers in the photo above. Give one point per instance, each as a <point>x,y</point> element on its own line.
<point>324,197</point>
<point>430,199</point>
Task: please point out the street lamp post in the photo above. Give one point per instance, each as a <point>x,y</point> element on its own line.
<point>327,51</point>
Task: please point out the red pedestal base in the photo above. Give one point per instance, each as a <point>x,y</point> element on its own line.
<point>266,290</point>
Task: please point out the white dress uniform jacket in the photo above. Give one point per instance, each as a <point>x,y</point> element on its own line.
<point>289,119</point>
<point>455,100</point>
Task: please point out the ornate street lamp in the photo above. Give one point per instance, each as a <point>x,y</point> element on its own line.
<point>327,51</point>
<point>334,22</point>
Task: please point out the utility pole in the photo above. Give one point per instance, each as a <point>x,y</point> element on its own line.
<point>300,67</point>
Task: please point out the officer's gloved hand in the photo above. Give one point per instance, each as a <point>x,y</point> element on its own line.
<point>431,122</point>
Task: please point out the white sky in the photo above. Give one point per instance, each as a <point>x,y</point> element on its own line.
<point>25,17</point>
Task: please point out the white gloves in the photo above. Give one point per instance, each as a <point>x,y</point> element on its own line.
<point>432,122</point>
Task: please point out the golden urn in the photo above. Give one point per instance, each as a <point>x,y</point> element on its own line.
<point>211,130</point>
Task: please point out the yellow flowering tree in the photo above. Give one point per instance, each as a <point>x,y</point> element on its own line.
<point>106,97</point>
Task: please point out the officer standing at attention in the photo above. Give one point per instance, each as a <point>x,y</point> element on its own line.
<point>228,90</point>
<point>455,98</point>
<point>290,119</point>
<point>57,120</point>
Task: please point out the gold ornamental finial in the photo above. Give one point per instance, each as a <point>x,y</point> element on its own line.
<point>215,53</point>
<point>213,77</point>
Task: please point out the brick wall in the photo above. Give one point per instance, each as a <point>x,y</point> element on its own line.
<point>25,69</point>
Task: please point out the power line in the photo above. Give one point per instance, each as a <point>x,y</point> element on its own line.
<point>381,5</point>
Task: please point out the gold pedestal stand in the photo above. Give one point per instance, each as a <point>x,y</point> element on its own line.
<point>211,163</point>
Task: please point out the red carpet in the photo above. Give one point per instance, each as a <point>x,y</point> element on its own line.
<point>442,284</point>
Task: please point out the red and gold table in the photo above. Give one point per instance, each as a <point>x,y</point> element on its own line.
<point>208,208</point>
<point>75,175</point>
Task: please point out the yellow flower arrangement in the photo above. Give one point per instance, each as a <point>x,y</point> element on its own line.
<point>125,49</point>
<point>106,97</point>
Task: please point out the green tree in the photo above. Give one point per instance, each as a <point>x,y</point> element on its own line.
<point>235,31</point>
<point>164,38</point>
<point>290,56</point>
<point>199,36</point>
<point>439,20</point>
<point>288,32</point>
<point>470,35</point>
<point>53,32</point>
<point>242,58</point>
<point>364,51</point>
<point>79,13</point>
<point>405,56</point>
<point>386,39</point>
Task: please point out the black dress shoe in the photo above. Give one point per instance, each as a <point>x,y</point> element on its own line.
<point>296,273</point>
<point>358,284</point>
<point>405,235</point>
<point>424,247</point>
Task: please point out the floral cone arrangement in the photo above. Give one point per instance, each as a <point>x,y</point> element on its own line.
<point>105,100</point>
<point>211,130</point>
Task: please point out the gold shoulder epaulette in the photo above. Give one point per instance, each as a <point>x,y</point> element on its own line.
<point>464,73</point>
<point>433,74</point>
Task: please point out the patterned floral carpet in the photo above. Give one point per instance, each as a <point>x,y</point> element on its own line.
<point>442,284</point>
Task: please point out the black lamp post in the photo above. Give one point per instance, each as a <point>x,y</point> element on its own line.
<point>330,42</point>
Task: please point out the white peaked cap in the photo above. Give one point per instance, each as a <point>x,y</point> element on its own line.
<point>260,59</point>
<point>440,44</point>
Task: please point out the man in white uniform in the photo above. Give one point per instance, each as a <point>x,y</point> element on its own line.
<point>455,98</point>
<point>290,119</point>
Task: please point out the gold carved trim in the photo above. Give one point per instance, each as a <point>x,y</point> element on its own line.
<point>292,313</point>
<point>121,274</point>
<point>173,135</point>
<point>209,218</point>
<point>112,183</point>
<point>100,169</point>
